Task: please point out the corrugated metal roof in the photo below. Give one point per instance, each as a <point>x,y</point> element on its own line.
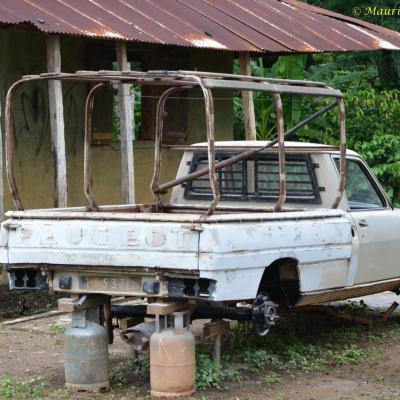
<point>236,25</point>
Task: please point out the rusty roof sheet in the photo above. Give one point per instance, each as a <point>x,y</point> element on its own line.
<point>236,25</point>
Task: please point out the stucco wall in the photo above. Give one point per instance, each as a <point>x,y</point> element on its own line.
<point>24,53</point>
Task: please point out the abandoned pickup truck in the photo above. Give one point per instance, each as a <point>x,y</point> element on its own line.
<point>266,223</point>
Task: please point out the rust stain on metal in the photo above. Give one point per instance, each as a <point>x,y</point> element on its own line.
<point>282,26</point>
<point>342,166</point>
<point>87,181</point>
<point>281,151</point>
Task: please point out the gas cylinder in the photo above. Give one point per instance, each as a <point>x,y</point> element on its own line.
<point>172,359</point>
<point>86,355</point>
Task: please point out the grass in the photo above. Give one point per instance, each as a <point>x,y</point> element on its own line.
<point>350,355</point>
<point>57,328</point>
<point>271,378</point>
<point>118,378</point>
<point>208,373</point>
<point>35,388</point>
<point>305,342</point>
<point>358,308</point>
<point>301,342</point>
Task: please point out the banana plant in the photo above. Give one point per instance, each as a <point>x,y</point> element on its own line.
<point>286,67</point>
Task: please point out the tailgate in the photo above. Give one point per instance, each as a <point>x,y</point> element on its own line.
<point>96,242</point>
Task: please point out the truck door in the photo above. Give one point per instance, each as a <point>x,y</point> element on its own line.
<point>376,223</point>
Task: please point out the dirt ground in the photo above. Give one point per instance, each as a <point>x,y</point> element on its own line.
<point>33,351</point>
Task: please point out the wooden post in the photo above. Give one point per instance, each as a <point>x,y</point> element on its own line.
<point>247,98</point>
<point>217,349</point>
<point>57,121</point>
<point>390,311</point>
<point>126,104</point>
<point>215,329</point>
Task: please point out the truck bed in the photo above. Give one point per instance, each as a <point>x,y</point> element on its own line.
<point>219,248</point>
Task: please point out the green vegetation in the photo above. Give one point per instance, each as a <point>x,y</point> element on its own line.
<point>359,308</point>
<point>56,328</point>
<point>372,112</point>
<point>350,355</point>
<point>271,379</point>
<point>371,88</point>
<point>208,373</point>
<point>140,367</point>
<point>302,343</point>
<point>118,378</point>
<point>121,375</point>
<point>35,388</point>
<point>135,93</point>
<point>212,375</point>
<point>257,359</point>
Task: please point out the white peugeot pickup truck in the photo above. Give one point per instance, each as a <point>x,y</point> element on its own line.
<point>294,222</point>
<point>306,254</point>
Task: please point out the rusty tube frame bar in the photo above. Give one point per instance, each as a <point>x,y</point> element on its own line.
<point>281,152</point>
<point>9,133</point>
<point>87,152</point>
<point>342,165</point>
<point>160,115</point>
<point>181,81</point>
<point>209,106</point>
<point>209,111</point>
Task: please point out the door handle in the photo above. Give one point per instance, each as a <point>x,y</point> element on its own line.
<point>363,223</point>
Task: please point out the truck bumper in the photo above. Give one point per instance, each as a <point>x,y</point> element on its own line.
<point>141,282</point>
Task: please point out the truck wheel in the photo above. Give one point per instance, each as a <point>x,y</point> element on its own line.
<point>264,315</point>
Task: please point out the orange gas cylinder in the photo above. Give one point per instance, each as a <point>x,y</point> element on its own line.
<point>172,359</point>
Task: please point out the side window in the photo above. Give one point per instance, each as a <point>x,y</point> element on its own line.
<point>360,190</point>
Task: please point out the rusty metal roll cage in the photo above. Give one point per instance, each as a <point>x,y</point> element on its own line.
<point>177,81</point>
